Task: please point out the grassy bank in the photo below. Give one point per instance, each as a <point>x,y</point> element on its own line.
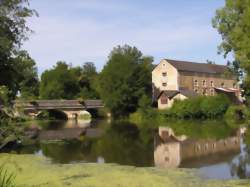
<point>36,171</point>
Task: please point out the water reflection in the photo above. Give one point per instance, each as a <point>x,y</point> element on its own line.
<point>216,158</point>
<point>213,148</point>
<point>171,151</point>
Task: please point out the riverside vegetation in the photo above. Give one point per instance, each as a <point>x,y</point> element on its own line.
<point>124,85</point>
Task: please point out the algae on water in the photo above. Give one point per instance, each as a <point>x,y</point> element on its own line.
<point>33,170</point>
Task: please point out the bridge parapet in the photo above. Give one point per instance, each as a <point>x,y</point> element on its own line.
<point>58,104</point>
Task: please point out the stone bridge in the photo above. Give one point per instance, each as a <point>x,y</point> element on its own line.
<point>72,108</point>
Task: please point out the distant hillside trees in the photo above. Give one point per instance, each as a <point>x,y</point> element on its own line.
<point>125,79</point>
<point>66,82</point>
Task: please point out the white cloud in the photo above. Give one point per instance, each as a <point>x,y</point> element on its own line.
<point>91,39</point>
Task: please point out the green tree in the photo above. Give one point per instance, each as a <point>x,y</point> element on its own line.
<point>124,80</point>
<point>59,83</point>
<point>13,31</point>
<point>233,23</point>
<point>87,81</point>
<point>27,78</point>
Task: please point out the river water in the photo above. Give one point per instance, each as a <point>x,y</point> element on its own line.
<point>130,144</point>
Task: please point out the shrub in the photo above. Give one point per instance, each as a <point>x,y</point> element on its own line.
<point>85,116</point>
<point>215,106</point>
<point>235,114</point>
<point>199,107</point>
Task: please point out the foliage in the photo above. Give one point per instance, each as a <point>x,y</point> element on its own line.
<point>66,82</point>
<point>6,179</point>
<point>4,95</point>
<point>13,31</point>
<point>199,107</point>
<point>124,80</point>
<point>236,114</point>
<point>85,116</point>
<point>27,76</point>
<point>233,23</point>
<point>87,81</point>
<point>58,83</point>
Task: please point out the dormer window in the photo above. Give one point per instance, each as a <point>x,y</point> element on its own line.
<point>164,74</point>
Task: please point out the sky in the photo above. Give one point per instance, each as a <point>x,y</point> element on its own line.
<point>78,31</point>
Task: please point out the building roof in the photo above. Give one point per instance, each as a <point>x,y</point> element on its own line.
<point>169,93</point>
<point>188,93</point>
<point>197,67</point>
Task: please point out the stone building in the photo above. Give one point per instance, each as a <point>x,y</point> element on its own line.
<point>174,79</point>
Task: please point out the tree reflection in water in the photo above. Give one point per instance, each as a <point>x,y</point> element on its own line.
<point>241,167</point>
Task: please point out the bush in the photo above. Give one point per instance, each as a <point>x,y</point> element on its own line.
<point>199,107</point>
<point>215,106</point>
<point>235,114</point>
<point>85,116</point>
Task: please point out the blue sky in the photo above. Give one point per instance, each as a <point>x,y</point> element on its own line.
<point>86,30</point>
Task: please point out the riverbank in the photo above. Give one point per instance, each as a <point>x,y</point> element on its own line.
<point>38,171</point>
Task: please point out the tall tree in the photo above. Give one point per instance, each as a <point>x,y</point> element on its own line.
<point>59,83</point>
<point>124,80</point>
<point>26,75</point>
<point>233,23</point>
<point>13,31</point>
<point>87,81</point>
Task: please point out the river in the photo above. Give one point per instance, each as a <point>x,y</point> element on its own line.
<point>125,143</point>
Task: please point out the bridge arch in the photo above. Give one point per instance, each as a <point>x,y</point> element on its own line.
<point>52,114</point>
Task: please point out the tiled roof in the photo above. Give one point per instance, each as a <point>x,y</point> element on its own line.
<point>197,67</point>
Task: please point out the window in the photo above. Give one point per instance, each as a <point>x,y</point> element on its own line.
<point>204,83</point>
<point>196,90</point>
<point>164,84</point>
<point>212,83</point>
<point>164,74</point>
<point>222,85</point>
<point>195,82</point>
<point>163,65</point>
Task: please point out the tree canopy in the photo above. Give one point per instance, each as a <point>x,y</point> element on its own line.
<point>66,82</point>
<point>13,31</point>
<point>125,79</point>
<point>233,23</point>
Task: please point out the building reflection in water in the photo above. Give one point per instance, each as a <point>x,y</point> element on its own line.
<point>173,151</point>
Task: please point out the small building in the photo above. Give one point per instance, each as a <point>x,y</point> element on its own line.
<point>174,79</point>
